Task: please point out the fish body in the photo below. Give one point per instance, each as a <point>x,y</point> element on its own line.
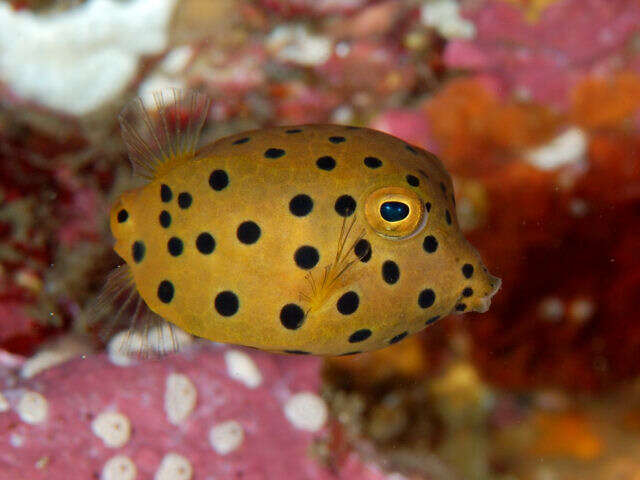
<point>318,239</point>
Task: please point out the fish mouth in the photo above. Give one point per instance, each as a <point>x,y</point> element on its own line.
<point>484,303</point>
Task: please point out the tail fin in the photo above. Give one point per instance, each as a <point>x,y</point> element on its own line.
<point>163,131</point>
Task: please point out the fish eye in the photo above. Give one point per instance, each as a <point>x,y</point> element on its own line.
<point>395,212</point>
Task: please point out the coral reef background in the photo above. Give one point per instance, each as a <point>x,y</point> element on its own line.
<point>533,106</point>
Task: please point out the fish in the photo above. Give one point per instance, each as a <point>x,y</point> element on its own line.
<point>308,239</point>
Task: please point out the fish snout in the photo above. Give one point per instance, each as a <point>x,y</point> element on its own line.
<point>482,302</point>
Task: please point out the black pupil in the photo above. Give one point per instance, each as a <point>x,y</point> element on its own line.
<point>394,211</point>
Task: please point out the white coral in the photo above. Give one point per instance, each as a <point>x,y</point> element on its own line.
<point>444,16</point>
<point>77,60</point>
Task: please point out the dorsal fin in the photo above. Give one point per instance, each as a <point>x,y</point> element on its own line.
<point>163,131</point>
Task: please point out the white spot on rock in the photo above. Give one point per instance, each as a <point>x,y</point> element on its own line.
<point>226,437</point>
<point>174,467</point>
<point>551,309</point>
<point>4,404</point>
<point>180,397</point>
<point>32,408</point>
<point>119,467</point>
<point>177,59</point>
<point>306,411</point>
<point>567,148</point>
<point>581,310</point>
<point>242,368</point>
<point>83,57</point>
<point>342,49</point>
<point>578,207</point>
<point>113,428</point>
<point>54,354</point>
<point>444,16</point>
<point>16,440</point>
<point>342,115</point>
<point>294,43</point>
<point>123,346</point>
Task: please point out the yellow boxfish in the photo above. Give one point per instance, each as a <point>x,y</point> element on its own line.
<point>310,239</point>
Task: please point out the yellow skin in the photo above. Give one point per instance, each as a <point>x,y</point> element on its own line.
<point>264,276</point>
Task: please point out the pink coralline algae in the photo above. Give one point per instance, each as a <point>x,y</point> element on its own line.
<point>545,57</point>
<point>42,199</point>
<point>410,125</point>
<point>209,412</point>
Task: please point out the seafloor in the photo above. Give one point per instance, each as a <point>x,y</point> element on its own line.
<point>532,105</point>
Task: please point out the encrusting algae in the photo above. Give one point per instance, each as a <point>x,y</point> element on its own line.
<point>312,239</point>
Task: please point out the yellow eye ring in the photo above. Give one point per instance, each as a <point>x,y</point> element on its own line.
<point>403,209</point>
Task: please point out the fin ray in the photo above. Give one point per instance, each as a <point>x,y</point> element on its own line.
<point>119,309</point>
<point>164,131</point>
<point>336,270</point>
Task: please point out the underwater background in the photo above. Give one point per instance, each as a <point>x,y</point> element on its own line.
<point>534,108</point>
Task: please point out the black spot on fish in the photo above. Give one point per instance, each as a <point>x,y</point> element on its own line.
<point>291,316</point>
<point>165,291</point>
<point>467,270</point>
<point>411,149</point>
<point>301,205</point>
<point>184,200</point>
<point>461,307</point>
<point>137,251</point>
<point>218,180</point>
<point>467,292</point>
<point>372,162</point>
<point>293,130</point>
<point>428,206</point>
<point>306,257</point>
<point>390,272</point>
<point>345,205</point>
<point>165,219</point>
<point>362,249</point>
<point>432,320</point>
<point>205,243</point>
<point>240,141</point>
<point>165,193</point>
<point>326,163</point>
<point>226,303</point>
<point>413,180</point>
<point>426,298</point>
<point>447,216</point>
<point>360,335</point>
<point>123,215</point>
<point>430,244</point>
<point>175,246</point>
<point>297,352</point>
<point>274,153</point>
<point>337,139</point>
<point>248,232</point>
<point>398,337</point>
<point>348,303</point>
